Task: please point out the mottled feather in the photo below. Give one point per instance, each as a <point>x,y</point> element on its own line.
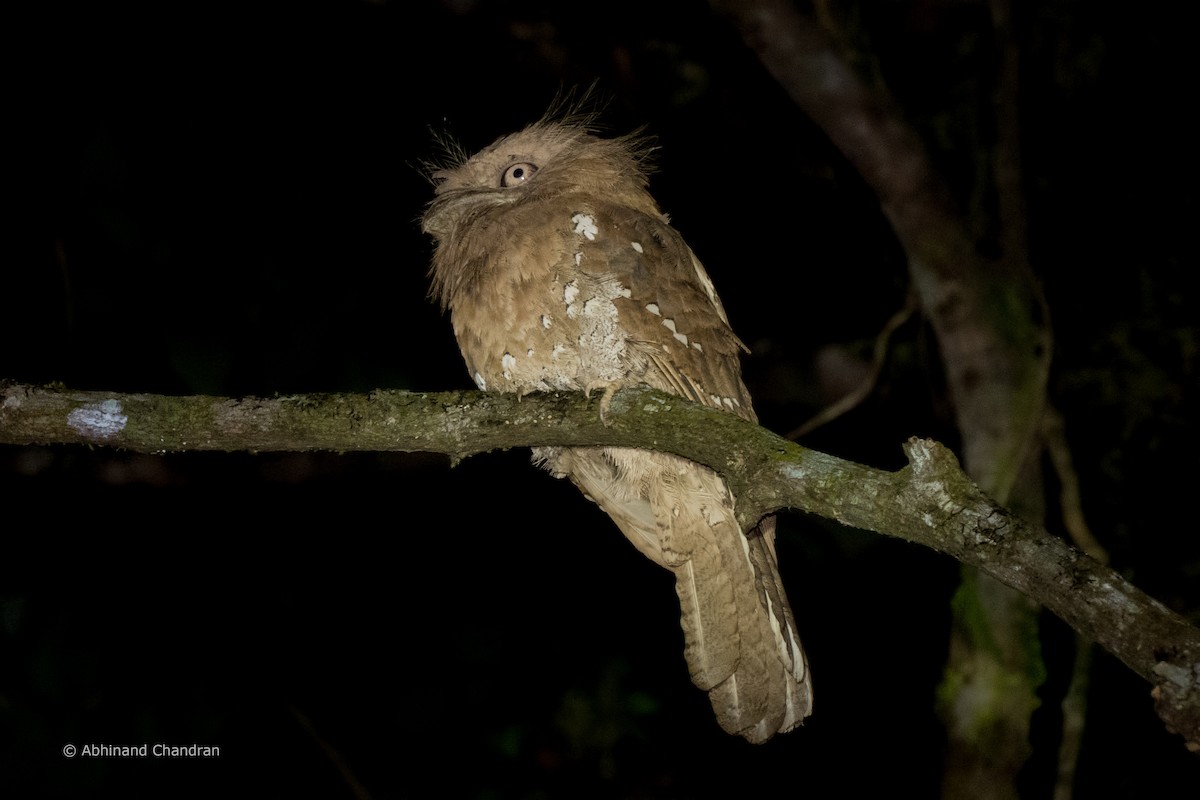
<point>561,273</point>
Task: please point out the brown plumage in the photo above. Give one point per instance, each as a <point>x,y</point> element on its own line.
<point>560,273</point>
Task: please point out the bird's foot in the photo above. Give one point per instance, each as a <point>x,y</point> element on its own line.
<point>610,388</point>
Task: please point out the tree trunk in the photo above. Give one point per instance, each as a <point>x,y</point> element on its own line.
<point>990,325</point>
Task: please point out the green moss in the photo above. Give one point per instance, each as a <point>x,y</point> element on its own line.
<point>989,688</point>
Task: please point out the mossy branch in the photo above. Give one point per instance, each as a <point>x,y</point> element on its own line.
<point>929,502</point>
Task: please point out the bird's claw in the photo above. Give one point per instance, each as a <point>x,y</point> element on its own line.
<point>610,388</point>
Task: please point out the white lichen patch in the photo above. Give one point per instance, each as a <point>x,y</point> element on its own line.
<point>636,246</point>
<point>1118,597</point>
<point>793,472</point>
<point>98,420</point>
<point>585,226</point>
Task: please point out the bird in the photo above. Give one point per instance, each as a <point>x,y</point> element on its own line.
<point>560,273</point>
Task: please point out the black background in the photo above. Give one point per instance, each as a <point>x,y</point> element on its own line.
<point>223,198</point>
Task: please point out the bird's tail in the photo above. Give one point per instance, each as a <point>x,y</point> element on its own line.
<point>767,689</point>
<point>740,638</point>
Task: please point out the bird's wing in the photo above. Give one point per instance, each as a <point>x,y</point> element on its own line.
<point>740,639</point>
<point>673,320</point>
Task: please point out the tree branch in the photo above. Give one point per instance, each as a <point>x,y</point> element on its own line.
<point>930,502</point>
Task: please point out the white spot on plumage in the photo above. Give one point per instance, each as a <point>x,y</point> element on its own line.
<point>585,225</point>
<point>480,382</point>
<point>558,350</point>
<point>728,401</point>
<point>508,362</point>
<point>570,294</point>
<point>594,350</point>
<point>669,324</point>
<point>547,321</point>
<point>529,353</point>
<point>653,309</point>
<point>636,246</point>
<point>578,259</point>
<point>697,346</point>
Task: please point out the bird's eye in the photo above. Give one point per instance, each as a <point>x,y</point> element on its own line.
<point>516,174</point>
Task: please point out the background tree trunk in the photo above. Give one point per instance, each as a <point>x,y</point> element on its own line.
<point>993,337</point>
